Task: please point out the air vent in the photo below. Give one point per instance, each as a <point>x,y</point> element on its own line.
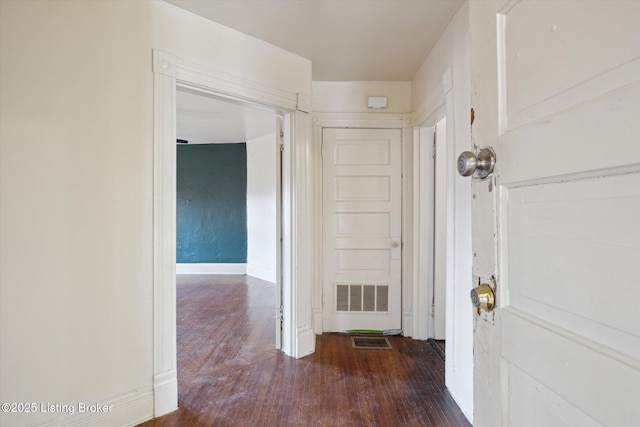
<point>374,343</point>
<point>362,298</point>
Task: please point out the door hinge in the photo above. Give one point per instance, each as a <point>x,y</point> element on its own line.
<point>435,140</point>
<point>433,311</point>
<point>281,314</point>
<point>281,140</point>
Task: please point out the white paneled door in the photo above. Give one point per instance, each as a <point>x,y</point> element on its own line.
<point>568,213</point>
<point>362,229</point>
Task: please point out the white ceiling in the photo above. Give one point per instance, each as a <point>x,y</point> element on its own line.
<point>347,40</point>
<point>202,119</point>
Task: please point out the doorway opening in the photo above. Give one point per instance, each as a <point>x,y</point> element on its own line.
<point>228,222</point>
<point>170,74</point>
<point>438,288</point>
<point>442,252</point>
<point>438,296</point>
<point>433,224</point>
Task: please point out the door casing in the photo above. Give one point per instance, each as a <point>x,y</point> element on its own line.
<point>444,101</point>
<point>298,339</point>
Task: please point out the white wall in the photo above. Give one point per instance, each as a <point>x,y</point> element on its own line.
<point>76,179</point>
<point>194,38</point>
<point>450,57</point>
<point>261,207</point>
<point>351,97</point>
<point>451,51</point>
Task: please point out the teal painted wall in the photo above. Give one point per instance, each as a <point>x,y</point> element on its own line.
<point>211,203</point>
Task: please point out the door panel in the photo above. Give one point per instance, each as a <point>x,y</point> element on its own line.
<point>363,224</point>
<point>550,51</point>
<point>534,404</point>
<point>569,369</point>
<point>361,229</point>
<point>581,235</point>
<point>362,189</point>
<point>568,234</point>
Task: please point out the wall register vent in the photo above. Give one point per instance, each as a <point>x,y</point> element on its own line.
<point>362,298</point>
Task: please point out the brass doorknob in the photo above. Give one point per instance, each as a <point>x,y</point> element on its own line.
<point>482,297</point>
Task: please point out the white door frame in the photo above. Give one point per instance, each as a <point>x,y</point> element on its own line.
<point>298,339</point>
<point>367,121</point>
<point>433,109</point>
<point>425,244</point>
<point>458,376</point>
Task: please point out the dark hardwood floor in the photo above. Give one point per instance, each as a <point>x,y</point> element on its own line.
<point>229,373</point>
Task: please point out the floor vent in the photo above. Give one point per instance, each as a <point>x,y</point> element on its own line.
<point>374,343</point>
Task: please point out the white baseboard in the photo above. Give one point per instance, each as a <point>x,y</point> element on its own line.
<point>211,268</point>
<point>130,409</point>
<point>407,326</point>
<point>461,390</point>
<point>306,342</point>
<point>263,273</point>
<point>165,392</point>
<point>316,320</point>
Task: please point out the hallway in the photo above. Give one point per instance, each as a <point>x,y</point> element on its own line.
<point>230,375</point>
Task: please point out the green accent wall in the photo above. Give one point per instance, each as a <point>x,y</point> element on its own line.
<point>211,203</point>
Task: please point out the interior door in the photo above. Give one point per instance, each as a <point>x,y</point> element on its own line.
<point>567,214</point>
<point>361,229</point>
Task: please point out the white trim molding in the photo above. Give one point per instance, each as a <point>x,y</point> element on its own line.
<point>165,378</point>
<point>297,217</point>
<point>221,84</point>
<point>438,104</point>
<point>423,231</point>
<point>165,389</point>
<point>316,295</point>
<point>129,409</point>
<point>211,268</point>
<point>432,109</point>
<point>408,211</point>
<point>297,236</point>
<point>362,120</point>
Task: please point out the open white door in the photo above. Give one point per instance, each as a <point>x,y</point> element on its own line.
<point>362,200</point>
<point>565,338</point>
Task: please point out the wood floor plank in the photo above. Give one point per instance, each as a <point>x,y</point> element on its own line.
<point>229,374</point>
